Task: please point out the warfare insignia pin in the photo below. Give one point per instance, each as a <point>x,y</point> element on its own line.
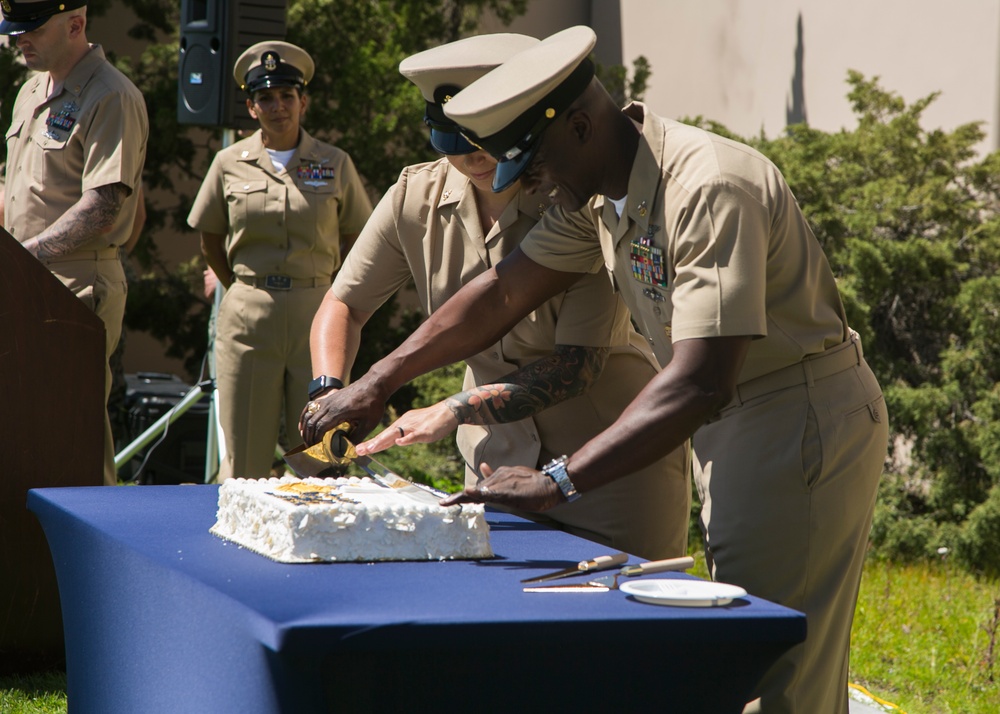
<point>653,295</point>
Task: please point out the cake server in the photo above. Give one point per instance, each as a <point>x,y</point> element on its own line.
<point>316,460</point>
<point>610,582</point>
<point>335,451</point>
<point>339,447</point>
<point>386,477</point>
<point>601,562</point>
<point>329,457</point>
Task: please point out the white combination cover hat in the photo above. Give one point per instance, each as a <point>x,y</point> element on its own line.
<point>441,72</point>
<point>508,108</point>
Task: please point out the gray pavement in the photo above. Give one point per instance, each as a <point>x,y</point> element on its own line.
<point>858,703</point>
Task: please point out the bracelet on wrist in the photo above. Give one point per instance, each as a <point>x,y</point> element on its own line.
<point>556,470</point>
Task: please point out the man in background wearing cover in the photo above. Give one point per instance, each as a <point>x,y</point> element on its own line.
<point>75,151</point>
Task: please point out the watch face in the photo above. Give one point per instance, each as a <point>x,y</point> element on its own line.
<point>316,386</point>
<point>322,383</point>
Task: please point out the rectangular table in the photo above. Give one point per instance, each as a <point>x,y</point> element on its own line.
<point>162,616</point>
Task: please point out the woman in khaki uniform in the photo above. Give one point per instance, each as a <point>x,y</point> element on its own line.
<point>541,391</point>
<point>275,212</point>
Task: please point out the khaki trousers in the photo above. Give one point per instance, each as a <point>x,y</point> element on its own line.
<point>99,280</point>
<point>788,483</point>
<point>646,513</point>
<point>263,369</point>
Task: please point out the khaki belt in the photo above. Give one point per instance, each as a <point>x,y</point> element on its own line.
<point>282,282</point>
<point>826,364</point>
<point>111,253</point>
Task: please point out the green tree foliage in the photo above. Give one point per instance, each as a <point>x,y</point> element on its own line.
<point>12,74</point>
<point>622,88</point>
<point>358,97</point>
<point>358,101</point>
<point>908,218</point>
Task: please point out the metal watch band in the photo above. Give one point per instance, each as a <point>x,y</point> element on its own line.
<point>556,470</point>
<point>322,383</point>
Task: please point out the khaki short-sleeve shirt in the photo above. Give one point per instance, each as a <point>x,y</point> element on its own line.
<point>711,243</point>
<point>427,228</point>
<point>92,133</point>
<point>288,222</point>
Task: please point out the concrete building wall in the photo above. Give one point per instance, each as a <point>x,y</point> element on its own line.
<point>740,62</point>
<point>754,64</point>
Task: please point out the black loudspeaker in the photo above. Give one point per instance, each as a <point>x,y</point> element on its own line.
<point>214,33</point>
<point>178,454</point>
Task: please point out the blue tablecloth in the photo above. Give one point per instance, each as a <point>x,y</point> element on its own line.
<point>162,616</point>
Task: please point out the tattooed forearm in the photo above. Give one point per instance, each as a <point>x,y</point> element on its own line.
<point>89,217</point>
<point>567,373</point>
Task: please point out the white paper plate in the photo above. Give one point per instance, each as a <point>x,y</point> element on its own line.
<point>682,592</point>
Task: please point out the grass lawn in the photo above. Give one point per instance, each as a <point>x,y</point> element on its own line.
<point>34,694</point>
<point>925,640</point>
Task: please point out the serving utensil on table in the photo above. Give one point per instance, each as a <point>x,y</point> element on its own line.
<point>610,582</point>
<point>601,562</point>
<point>329,456</point>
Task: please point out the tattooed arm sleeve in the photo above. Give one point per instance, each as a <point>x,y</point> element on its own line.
<point>91,216</point>
<point>567,373</point>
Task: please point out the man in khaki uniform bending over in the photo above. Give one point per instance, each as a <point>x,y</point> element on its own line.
<point>75,151</point>
<point>713,256</point>
<point>555,380</point>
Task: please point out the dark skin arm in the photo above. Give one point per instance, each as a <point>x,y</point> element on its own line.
<point>698,382</point>
<point>473,319</point>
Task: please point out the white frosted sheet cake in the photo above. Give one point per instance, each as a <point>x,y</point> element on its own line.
<point>295,520</point>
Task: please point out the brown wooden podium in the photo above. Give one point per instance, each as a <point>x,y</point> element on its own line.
<point>51,434</point>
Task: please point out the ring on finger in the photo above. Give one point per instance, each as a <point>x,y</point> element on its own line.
<point>401,432</point>
<point>312,407</point>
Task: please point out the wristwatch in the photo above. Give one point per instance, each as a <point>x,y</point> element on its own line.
<point>323,383</point>
<point>556,470</point>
